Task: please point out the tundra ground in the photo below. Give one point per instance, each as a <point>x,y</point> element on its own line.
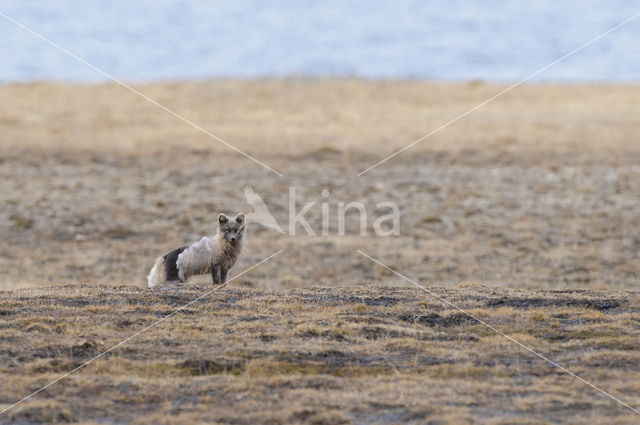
<point>535,194</point>
<point>318,355</point>
<point>537,189</point>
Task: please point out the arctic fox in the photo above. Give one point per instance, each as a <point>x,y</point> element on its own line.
<point>213,255</point>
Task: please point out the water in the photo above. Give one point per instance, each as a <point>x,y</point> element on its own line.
<point>442,40</point>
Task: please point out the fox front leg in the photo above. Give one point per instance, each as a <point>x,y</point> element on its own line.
<point>223,276</point>
<point>215,275</point>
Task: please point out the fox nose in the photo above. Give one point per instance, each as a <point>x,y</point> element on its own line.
<point>233,239</point>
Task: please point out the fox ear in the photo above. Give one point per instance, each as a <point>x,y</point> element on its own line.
<point>223,218</point>
<point>240,218</point>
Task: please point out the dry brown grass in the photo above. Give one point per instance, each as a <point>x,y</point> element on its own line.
<point>318,355</point>
<point>536,189</point>
<point>285,118</point>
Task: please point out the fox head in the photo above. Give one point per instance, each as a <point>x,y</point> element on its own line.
<point>231,228</point>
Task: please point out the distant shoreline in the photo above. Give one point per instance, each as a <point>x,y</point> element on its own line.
<point>327,78</point>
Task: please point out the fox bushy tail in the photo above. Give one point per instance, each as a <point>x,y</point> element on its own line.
<point>157,276</point>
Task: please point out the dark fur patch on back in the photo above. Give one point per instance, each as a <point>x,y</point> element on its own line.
<point>170,267</point>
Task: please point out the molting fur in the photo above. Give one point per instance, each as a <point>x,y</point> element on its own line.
<point>213,255</point>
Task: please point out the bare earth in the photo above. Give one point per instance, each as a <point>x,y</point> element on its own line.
<point>534,195</point>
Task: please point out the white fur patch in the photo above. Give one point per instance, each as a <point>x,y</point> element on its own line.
<point>196,259</point>
<point>156,275</point>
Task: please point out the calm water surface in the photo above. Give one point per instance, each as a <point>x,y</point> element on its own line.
<point>442,40</point>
